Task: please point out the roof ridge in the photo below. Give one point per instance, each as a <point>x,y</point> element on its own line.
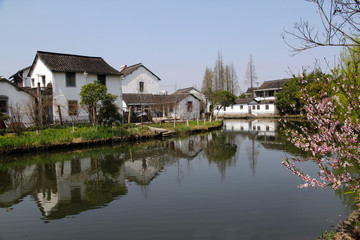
<point>67,54</point>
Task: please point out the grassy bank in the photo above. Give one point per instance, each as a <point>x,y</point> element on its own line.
<point>88,135</point>
<point>181,128</point>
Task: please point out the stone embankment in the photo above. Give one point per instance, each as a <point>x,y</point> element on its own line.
<point>346,230</point>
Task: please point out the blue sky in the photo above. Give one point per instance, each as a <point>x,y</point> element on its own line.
<point>175,39</point>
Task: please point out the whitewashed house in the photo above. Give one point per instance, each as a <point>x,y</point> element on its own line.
<point>20,78</point>
<point>261,105</point>
<point>205,104</point>
<point>139,79</point>
<point>13,96</point>
<point>179,106</point>
<point>66,74</point>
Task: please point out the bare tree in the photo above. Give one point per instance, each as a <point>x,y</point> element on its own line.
<point>219,73</point>
<point>250,75</point>
<point>38,112</point>
<point>16,119</point>
<point>231,81</point>
<point>73,111</point>
<point>340,26</point>
<point>207,85</point>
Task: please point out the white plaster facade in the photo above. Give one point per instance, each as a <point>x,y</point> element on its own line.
<point>131,82</point>
<point>12,96</point>
<point>262,109</point>
<point>182,110</point>
<point>62,93</point>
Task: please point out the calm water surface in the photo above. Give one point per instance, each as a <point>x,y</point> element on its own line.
<point>222,185</point>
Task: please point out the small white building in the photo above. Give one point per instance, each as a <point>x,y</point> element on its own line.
<point>179,106</point>
<point>139,79</point>
<point>13,96</point>
<point>66,74</point>
<point>21,78</point>
<point>262,105</point>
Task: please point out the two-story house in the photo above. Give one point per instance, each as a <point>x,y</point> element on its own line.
<point>262,103</point>
<point>65,74</point>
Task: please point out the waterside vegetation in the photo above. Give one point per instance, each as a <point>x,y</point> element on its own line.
<point>85,135</point>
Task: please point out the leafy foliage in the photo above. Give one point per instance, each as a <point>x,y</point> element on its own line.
<point>92,95</point>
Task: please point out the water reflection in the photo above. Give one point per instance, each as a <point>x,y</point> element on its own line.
<point>68,183</point>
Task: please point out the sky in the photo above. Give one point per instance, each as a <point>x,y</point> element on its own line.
<point>175,39</point>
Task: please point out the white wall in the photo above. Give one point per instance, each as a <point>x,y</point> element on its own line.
<point>181,110</point>
<point>16,96</point>
<point>130,84</point>
<point>62,93</point>
<point>40,69</point>
<point>260,109</point>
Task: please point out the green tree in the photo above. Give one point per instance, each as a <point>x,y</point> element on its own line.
<point>108,112</point>
<point>92,95</point>
<point>287,100</point>
<point>222,98</point>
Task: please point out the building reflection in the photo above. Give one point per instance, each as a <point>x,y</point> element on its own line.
<point>69,183</point>
<point>258,133</point>
<point>91,178</point>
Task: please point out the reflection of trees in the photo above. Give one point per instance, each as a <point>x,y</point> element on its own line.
<point>220,149</point>
<point>252,153</point>
<point>101,192</point>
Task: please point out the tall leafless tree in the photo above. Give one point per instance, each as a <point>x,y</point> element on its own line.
<point>250,75</point>
<point>340,26</point>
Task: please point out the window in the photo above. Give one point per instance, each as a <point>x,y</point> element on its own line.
<point>70,79</point>
<point>73,107</point>
<point>171,108</point>
<point>267,128</point>
<point>241,106</point>
<point>267,107</point>
<point>33,82</point>
<point>43,80</point>
<point>258,128</point>
<point>102,79</point>
<point>258,107</point>
<point>189,106</point>
<point>232,107</point>
<point>254,107</point>
<point>3,104</point>
<point>141,86</point>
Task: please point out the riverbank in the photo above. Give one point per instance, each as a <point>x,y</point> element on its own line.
<point>346,230</point>
<point>65,137</point>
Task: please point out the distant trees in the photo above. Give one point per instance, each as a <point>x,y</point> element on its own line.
<point>250,75</point>
<point>221,77</point>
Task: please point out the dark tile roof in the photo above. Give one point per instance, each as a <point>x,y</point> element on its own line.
<point>250,90</point>
<point>243,100</point>
<point>185,90</point>
<point>152,99</point>
<point>129,70</point>
<point>20,71</point>
<point>274,84</point>
<point>60,62</point>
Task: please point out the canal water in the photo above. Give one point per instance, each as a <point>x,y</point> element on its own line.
<point>228,184</point>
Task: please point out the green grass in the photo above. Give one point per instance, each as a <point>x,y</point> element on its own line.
<point>62,135</point>
<point>66,135</point>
